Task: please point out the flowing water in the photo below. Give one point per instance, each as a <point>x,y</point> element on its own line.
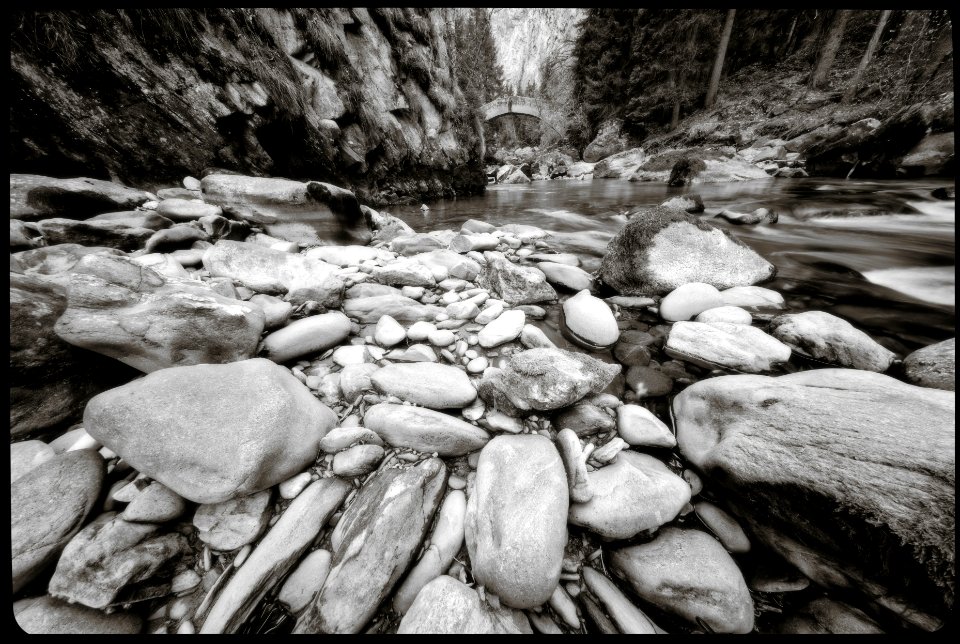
<point>880,254</point>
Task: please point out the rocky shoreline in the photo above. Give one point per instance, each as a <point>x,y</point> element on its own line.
<point>353,427</point>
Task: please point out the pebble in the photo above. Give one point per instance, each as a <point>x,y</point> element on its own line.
<point>456,483</point>
<point>441,338</point>
<point>186,580</point>
<point>477,365</point>
<point>420,331</point>
<point>292,487</point>
<point>388,332</point>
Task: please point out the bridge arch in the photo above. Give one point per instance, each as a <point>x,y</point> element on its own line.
<point>511,105</point>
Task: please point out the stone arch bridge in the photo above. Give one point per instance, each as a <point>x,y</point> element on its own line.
<point>511,105</point>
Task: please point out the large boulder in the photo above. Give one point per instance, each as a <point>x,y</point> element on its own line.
<point>374,542</point>
<point>35,197</point>
<point>447,606</point>
<point>933,155</point>
<point>424,430</point>
<point>688,573</point>
<point>726,345</point>
<point>849,474</point>
<point>110,555</point>
<point>50,380</point>
<point>48,506</point>
<point>609,140</point>
<point>49,616</point>
<point>213,432</point>
<point>130,312</point>
<point>432,385</point>
<point>544,379</point>
<point>270,271</point>
<point>515,284</point>
<point>516,525</point>
<point>933,366</point>
<point>660,249</point>
<point>112,234</point>
<point>833,340</point>
<point>637,492</point>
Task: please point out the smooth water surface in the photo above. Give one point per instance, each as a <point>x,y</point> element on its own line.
<point>880,254</point>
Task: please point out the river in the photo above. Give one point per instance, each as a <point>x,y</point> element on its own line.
<point>880,254</point>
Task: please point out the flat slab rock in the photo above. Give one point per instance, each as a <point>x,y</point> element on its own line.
<point>831,339</point>
<point>722,344</point>
<point>35,197</point>
<point>47,615</point>
<point>857,466</point>
<point>432,385</point>
<point>424,430</point>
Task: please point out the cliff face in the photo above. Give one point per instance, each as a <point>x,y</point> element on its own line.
<point>362,98</point>
<point>526,37</point>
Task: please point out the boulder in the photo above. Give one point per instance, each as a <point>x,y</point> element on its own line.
<point>174,237</point>
<point>432,385</point>
<point>819,467</point>
<point>617,166</point>
<point>35,197</point>
<point>516,525</point>
<point>112,234</point>
<point>516,176</point>
<point>110,555</point>
<point>661,249</point>
<point>415,243</point>
<point>505,328</point>
<point>568,277</point>
<point>25,456</point>
<point>233,523</point>
<point>49,616</point>
<point>57,261</point>
<point>403,272</point>
<point>307,336</point>
<point>132,313</point>
<point>825,616</point>
<point>514,284</point>
<point>213,432</point>
<point>544,379</point>
<point>933,155</point>
<point>689,300</point>
<point>691,203</point>
<point>187,209</point>
<point>933,366</point>
<point>447,606</point>
<point>24,235</point>
<point>609,140</point>
<point>48,506</point>
<point>833,340</point>
<point>589,322</point>
<point>385,227</point>
<point>729,346</point>
<point>636,493</point>
<point>689,574</point>
<point>374,542</point>
<point>424,430</point>
<point>275,272</point>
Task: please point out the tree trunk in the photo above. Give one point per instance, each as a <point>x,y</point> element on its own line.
<point>829,51</point>
<point>675,117</point>
<point>941,49</point>
<point>718,63</point>
<point>867,55</point>
<point>789,38</point>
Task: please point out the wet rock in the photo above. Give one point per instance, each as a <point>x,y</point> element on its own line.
<point>505,328</point>
<point>821,463</point>
<point>187,209</point>
<point>233,523</point>
<point>533,338</point>
<point>824,616</point>
<point>636,493</point>
<point>347,255</point>
<point>727,314</point>
<point>477,241</point>
<point>933,366</point>
<point>432,385</point>
<point>24,235</point>
<point>307,336</point>
<point>758,216</point>
<point>544,379</point>
<point>663,249</point>
<point>689,574</point>
<point>305,580</point>
<point>357,460</point>
<point>163,264</point>
<point>688,300</point>
<point>639,427</point>
<point>831,339</point>
<point>629,619</point>
<point>213,432</point>
<point>47,615</point>
<point>691,203</point>
<point>446,606</point>
<point>723,526</point>
<point>631,355</point>
<point>424,430</point>
<point>155,504</point>
<point>404,273</point>
<point>589,322</point>
<point>178,236</point>
<point>568,259</point>
<point>26,456</point>
<point>584,419</point>
<point>35,197</point>
<point>129,312</point>
<point>136,219</point>
<point>565,276</point>
<point>445,541</point>
<point>648,382</point>
<point>514,284</point>
<point>48,506</point>
<point>933,155</point>
<point>516,519</point>
<point>532,311</point>
<point>631,302</point>
<point>751,297</point>
<point>112,234</point>
<point>276,553</point>
<point>109,555</point>
<point>373,544</point>
<point>731,346</point>
<point>269,271</point>
<point>369,310</point>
